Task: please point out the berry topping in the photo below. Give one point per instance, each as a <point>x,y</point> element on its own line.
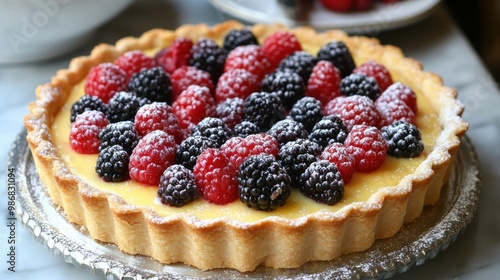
<point>153,84</point>
<point>250,58</point>
<point>289,86</point>
<point>300,62</point>
<point>175,56</point>
<point>404,139</point>
<point>338,5</point>
<point>394,110</point>
<point>134,61</point>
<point>112,164</point>
<point>322,182</point>
<point>401,92</point>
<point>189,150</point>
<point>245,128</point>
<point>87,103</point>
<point>84,133</point>
<point>239,37</point>
<point>279,45</point>
<point>193,105</point>
<point>121,133</point>
<point>287,130</point>
<point>339,55</point>
<point>324,82</point>
<point>238,149</point>
<point>297,155</point>
<point>263,183</point>
<point>263,109</point>
<point>177,186</point>
<point>231,111</point>
<point>213,128</point>
<point>307,111</point>
<point>152,155</point>
<point>367,146</point>
<point>377,71</point>
<point>185,76</point>
<point>236,83</point>
<point>123,107</point>
<point>360,84</point>
<point>158,116</point>
<point>208,56</point>
<point>338,154</point>
<point>354,110</point>
<point>330,129</point>
<point>104,80</point>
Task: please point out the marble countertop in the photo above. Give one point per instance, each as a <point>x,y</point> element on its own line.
<point>436,41</point>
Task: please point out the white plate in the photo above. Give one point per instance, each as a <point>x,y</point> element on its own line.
<point>312,13</point>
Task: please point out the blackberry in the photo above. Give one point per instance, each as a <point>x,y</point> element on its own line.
<point>330,129</point>
<point>297,155</point>
<point>404,139</point>
<point>322,182</point>
<point>360,84</point>
<point>208,56</point>
<point>121,133</point>
<point>263,109</point>
<point>230,111</point>
<point>189,150</point>
<point>289,86</point>
<point>263,183</point>
<point>87,103</point>
<point>300,62</point>
<point>339,55</point>
<point>177,186</point>
<point>123,107</point>
<point>307,111</point>
<point>287,130</point>
<point>214,129</point>
<point>239,37</point>
<point>153,84</point>
<point>112,164</point>
<point>245,128</point>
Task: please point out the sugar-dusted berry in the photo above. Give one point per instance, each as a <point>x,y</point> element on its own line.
<point>123,107</point>
<point>367,146</point>
<point>213,128</point>
<point>299,62</point>
<point>189,150</point>
<point>307,111</point>
<point>360,84</point>
<point>404,139</point>
<point>279,45</point>
<point>377,71</point>
<point>236,83</point>
<point>112,164</point>
<point>250,58</point>
<point>104,80</point>
<point>158,116</point>
<point>185,76</point>
<point>394,110</point>
<point>87,103</point>
<point>324,82</point>
<point>287,130</point>
<point>401,92</point>
<point>121,133</point>
<point>231,111</point>
<point>208,56</point>
<point>193,105</point>
<point>239,37</point>
<point>177,186</point>
<point>288,85</point>
<point>134,61</point>
<point>322,182</point>
<point>238,149</point>
<point>297,155</point>
<point>354,110</point>
<point>337,153</point>
<point>330,129</point>
<point>175,56</point>
<point>153,84</point>
<point>263,109</point>
<point>339,55</point>
<point>84,132</point>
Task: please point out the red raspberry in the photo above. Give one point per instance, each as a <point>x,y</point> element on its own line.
<point>231,111</point>
<point>279,45</point>
<point>216,177</point>
<point>353,110</point>
<point>394,111</point>
<point>338,5</point>
<point>175,56</point>
<point>185,76</point>
<point>104,80</point>
<point>158,116</point>
<point>238,149</point>
<point>337,153</point>
<point>377,71</point>
<point>193,105</point>
<point>367,146</point>
<point>251,58</point>
<point>402,92</point>
<point>323,84</point>
<point>84,133</point>
<point>236,83</point>
<point>362,5</point>
<point>134,61</point>
<point>154,153</point>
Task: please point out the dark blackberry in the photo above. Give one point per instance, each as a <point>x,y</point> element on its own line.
<point>239,37</point>
<point>112,164</point>
<point>339,55</point>
<point>297,155</point>
<point>245,128</point>
<point>87,103</point>
<point>299,62</point>
<point>121,133</point>
<point>177,186</point>
<point>307,111</point>
<point>322,182</point>
<point>330,129</point>
<point>123,107</point>
<point>289,86</point>
<point>208,56</point>
<point>263,183</point>
<point>263,109</point>
<point>287,130</point>
<point>189,150</point>
<point>360,84</point>
<point>153,84</point>
<point>231,111</point>
<point>213,128</point>
<point>404,139</point>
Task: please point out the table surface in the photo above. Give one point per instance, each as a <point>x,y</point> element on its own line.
<point>436,41</point>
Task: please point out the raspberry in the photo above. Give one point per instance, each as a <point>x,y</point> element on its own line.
<point>250,58</point>
<point>297,155</point>
<point>238,149</point>
<point>272,188</point>
<point>330,129</point>
<point>337,153</point>
<point>401,92</point>
<point>185,76</point>
<point>231,111</point>
<point>189,150</point>
<point>239,37</point>
<point>245,128</point>
<point>404,139</point>
<point>175,56</point>
<point>367,146</point>
<point>324,82</point>
<point>177,186</point>
<point>307,111</point>
<point>279,45</point>
<point>395,110</point>
<point>213,128</point>
<point>216,178</point>
<point>208,56</point>
<point>300,62</point>
<point>377,71</point>
<point>287,130</point>
<point>362,5</point>
<point>121,133</point>
<point>354,110</point>
<point>84,133</point>
<point>193,105</point>
<point>123,107</point>
<point>158,116</point>
<point>154,153</point>
<point>112,164</point>
<point>104,80</point>
<point>322,182</point>
<point>263,109</point>
<point>236,83</point>
<point>134,61</point>
<point>339,55</point>
<point>289,86</point>
<point>338,5</point>
<point>153,84</point>
<point>360,84</point>
<point>87,103</point>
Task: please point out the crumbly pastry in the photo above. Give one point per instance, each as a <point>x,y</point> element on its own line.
<point>279,240</point>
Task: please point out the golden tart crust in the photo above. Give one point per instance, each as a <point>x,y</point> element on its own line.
<point>227,243</point>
